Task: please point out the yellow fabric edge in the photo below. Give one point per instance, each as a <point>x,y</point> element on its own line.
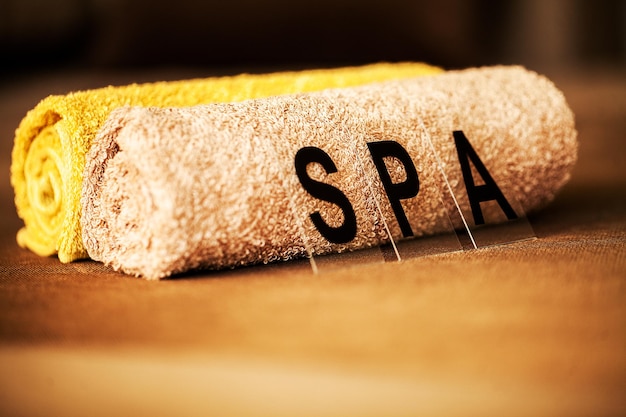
<point>77,117</point>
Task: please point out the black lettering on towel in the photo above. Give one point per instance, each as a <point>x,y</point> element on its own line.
<point>478,193</point>
<point>396,191</point>
<point>339,234</point>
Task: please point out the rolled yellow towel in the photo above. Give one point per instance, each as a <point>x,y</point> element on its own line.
<point>52,139</point>
<point>221,185</point>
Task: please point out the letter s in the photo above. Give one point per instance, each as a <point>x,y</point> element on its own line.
<point>340,234</point>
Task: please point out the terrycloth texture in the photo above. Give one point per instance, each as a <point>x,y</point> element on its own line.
<point>52,139</point>
<point>167,190</point>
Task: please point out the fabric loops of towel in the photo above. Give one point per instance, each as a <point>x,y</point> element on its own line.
<point>167,190</point>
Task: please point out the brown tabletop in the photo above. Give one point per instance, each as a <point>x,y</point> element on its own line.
<point>529,328</point>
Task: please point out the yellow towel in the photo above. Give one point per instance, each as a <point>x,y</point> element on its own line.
<point>51,141</point>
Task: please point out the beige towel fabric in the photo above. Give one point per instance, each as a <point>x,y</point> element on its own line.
<point>215,186</point>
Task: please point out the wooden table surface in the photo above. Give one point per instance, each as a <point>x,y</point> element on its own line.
<point>533,328</point>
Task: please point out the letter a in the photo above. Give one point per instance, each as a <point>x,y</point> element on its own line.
<point>479,193</point>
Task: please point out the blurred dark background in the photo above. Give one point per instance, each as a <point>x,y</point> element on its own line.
<point>248,35</point>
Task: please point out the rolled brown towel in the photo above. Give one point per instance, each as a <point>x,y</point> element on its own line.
<point>215,186</point>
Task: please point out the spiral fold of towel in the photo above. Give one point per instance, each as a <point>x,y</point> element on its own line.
<point>167,190</point>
